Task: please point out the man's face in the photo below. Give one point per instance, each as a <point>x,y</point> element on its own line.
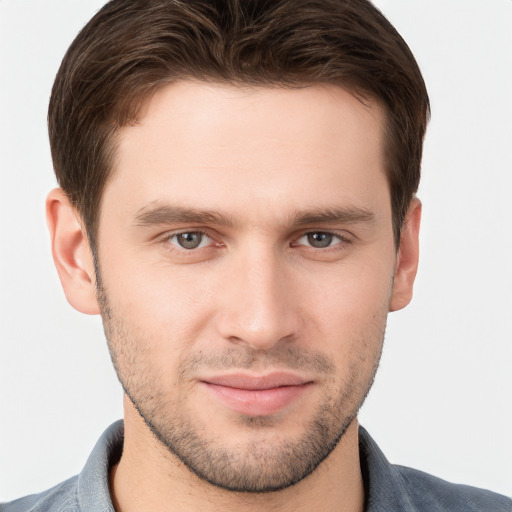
<point>246,262</point>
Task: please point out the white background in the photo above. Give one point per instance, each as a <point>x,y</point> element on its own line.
<point>442,399</point>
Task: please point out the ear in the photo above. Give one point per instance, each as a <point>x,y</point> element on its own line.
<point>407,258</point>
<point>71,253</point>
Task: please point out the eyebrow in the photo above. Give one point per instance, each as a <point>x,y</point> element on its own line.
<point>345,215</point>
<point>171,214</point>
<point>161,214</point>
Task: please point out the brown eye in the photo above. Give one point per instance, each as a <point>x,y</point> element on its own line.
<point>190,240</point>
<point>319,240</point>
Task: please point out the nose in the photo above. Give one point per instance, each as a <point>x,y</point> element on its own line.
<point>260,307</point>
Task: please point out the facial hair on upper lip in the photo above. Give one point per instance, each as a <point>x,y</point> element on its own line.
<point>245,358</point>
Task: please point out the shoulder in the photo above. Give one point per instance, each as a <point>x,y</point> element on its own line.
<point>88,491</point>
<point>61,498</point>
<point>392,488</point>
<point>427,492</point>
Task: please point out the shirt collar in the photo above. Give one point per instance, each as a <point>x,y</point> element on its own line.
<point>384,487</point>
<point>93,491</point>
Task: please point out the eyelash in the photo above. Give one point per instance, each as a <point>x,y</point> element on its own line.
<point>168,239</point>
<point>342,240</point>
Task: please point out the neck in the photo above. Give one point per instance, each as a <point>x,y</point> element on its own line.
<point>149,478</point>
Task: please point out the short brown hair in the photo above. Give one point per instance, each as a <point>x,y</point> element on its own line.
<point>132,47</point>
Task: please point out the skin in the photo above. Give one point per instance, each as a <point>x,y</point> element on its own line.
<point>279,172</point>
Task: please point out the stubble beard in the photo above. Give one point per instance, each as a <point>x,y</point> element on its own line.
<point>255,466</point>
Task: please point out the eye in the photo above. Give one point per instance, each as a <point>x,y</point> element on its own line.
<point>320,239</point>
<point>190,240</point>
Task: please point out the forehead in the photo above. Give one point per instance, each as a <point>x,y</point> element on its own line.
<point>268,148</point>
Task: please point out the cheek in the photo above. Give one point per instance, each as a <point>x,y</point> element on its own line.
<point>160,300</point>
<point>351,297</point>
<point>350,320</point>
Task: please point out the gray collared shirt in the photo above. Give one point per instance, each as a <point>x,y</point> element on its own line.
<point>388,488</point>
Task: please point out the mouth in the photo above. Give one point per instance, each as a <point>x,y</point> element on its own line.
<point>257,395</point>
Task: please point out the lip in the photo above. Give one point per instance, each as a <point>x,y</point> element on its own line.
<point>257,395</point>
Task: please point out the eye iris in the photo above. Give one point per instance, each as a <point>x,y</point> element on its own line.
<point>189,240</point>
<point>320,240</point>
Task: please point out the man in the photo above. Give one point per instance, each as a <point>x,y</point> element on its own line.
<point>238,202</point>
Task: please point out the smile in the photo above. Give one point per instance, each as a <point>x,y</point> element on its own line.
<point>257,396</point>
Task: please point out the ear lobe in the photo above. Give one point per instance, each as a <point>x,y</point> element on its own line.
<point>407,258</point>
<point>71,253</point>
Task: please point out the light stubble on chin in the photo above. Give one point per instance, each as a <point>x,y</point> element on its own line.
<point>267,463</point>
